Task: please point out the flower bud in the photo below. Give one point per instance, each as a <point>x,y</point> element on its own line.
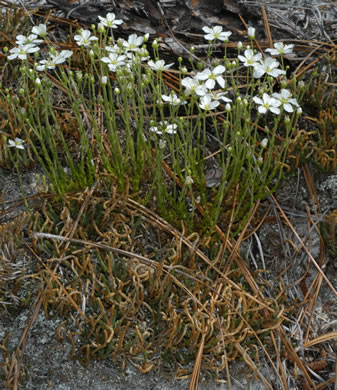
<point>264,142</point>
<point>283,83</point>
<point>100,28</point>
<point>251,32</point>
<point>301,84</point>
<point>79,76</point>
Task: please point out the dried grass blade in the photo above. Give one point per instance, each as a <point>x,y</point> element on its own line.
<point>197,364</point>
<point>295,358</point>
<point>266,25</point>
<point>321,339</point>
<point>303,246</point>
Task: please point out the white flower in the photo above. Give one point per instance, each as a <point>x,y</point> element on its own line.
<point>46,64</point>
<point>18,143</point>
<point>84,38</point>
<point>113,61</point>
<point>162,144</point>
<point>114,49</point>
<point>228,107</point>
<point>159,65</point>
<point>171,128</point>
<point>138,55</point>
<point>280,49</point>
<point>193,86</point>
<point>239,45</point>
<point>249,58</point>
<point>22,40</point>
<point>133,42</point>
<point>299,111</point>
<point>267,103</point>
<point>251,32</point>
<point>189,180</point>
<point>172,99</point>
<point>207,104</point>
<point>201,90</point>
<point>22,52</point>
<point>216,33</point>
<point>37,81</point>
<point>164,127</point>
<point>267,66</point>
<point>40,30</point>
<point>211,76</point>
<point>63,55</point>
<point>110,20</point>
<point>54,59</point>
<point>286,100</point>
<point>104,80</point>
<point>220,95</point>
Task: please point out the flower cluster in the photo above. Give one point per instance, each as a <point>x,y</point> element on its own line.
<point>124,53</point>
<point>164,128</point>
<point>208,85</point>
<point>267,66</point>
<point>29,44</point>
<point>203,83</point>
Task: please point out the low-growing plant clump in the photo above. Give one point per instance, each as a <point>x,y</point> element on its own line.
<point>154,173</point>
<point>234,117</point>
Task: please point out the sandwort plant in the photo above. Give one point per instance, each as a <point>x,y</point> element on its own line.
<point>129,122</point>
<point>115,127</point>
